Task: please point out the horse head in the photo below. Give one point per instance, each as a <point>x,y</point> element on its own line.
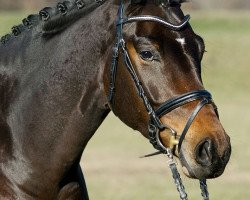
<point>155,83</point>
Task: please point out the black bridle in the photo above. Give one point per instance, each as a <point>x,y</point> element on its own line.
<point>155,124</point>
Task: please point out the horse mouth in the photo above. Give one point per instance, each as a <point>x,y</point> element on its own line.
<point>186,169</point>
<point>187,172</point>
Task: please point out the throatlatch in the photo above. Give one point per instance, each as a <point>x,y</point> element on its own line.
<point>155,124</point>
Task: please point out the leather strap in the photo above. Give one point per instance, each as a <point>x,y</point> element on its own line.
<point>168,106</point>
<point>175,27</point>
<point>176,102</point>
<point>190,121</point>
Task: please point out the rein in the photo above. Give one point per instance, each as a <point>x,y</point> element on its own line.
<point>155,124</point>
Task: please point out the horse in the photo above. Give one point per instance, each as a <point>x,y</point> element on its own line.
<point>63,70</point>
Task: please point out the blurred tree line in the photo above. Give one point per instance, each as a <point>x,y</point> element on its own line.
<point>24,4</point>
<point>195,4</point>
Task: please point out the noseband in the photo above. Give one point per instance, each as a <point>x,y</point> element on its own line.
<point>155,124</point>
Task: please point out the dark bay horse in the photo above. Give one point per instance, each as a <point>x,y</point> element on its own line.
<point>57,87</point>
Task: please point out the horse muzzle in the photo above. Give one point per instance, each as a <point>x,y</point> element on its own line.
<point>204,149</point>
<point>206,160</point>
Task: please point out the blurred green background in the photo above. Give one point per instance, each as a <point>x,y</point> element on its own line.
<point>111,161</point>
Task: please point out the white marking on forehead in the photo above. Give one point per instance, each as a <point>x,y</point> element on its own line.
<point>182,41</point>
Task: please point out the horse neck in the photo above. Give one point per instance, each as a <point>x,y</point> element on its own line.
<point>82,114</point>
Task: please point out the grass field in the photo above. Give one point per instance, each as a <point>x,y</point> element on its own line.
<point>111,161</point>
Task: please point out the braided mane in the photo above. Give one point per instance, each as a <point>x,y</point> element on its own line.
<point>54,19</point>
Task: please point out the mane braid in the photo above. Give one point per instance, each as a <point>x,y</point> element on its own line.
<point>53,20</point>
<point>57,19</point>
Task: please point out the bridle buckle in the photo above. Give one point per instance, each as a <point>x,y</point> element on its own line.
<point>173,142</point>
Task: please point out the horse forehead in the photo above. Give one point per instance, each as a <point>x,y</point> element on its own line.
<point>172,14</point>
<point>181,40</point>
<point>151,9</point>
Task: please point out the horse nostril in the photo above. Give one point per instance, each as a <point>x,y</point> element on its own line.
<point>204,153</point>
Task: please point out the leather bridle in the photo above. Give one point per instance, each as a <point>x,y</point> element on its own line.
<point>155,124</point>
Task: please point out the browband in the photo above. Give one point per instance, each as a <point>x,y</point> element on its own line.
<point>175,27</point>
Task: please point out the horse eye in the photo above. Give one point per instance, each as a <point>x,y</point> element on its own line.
<point>147,55</point>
